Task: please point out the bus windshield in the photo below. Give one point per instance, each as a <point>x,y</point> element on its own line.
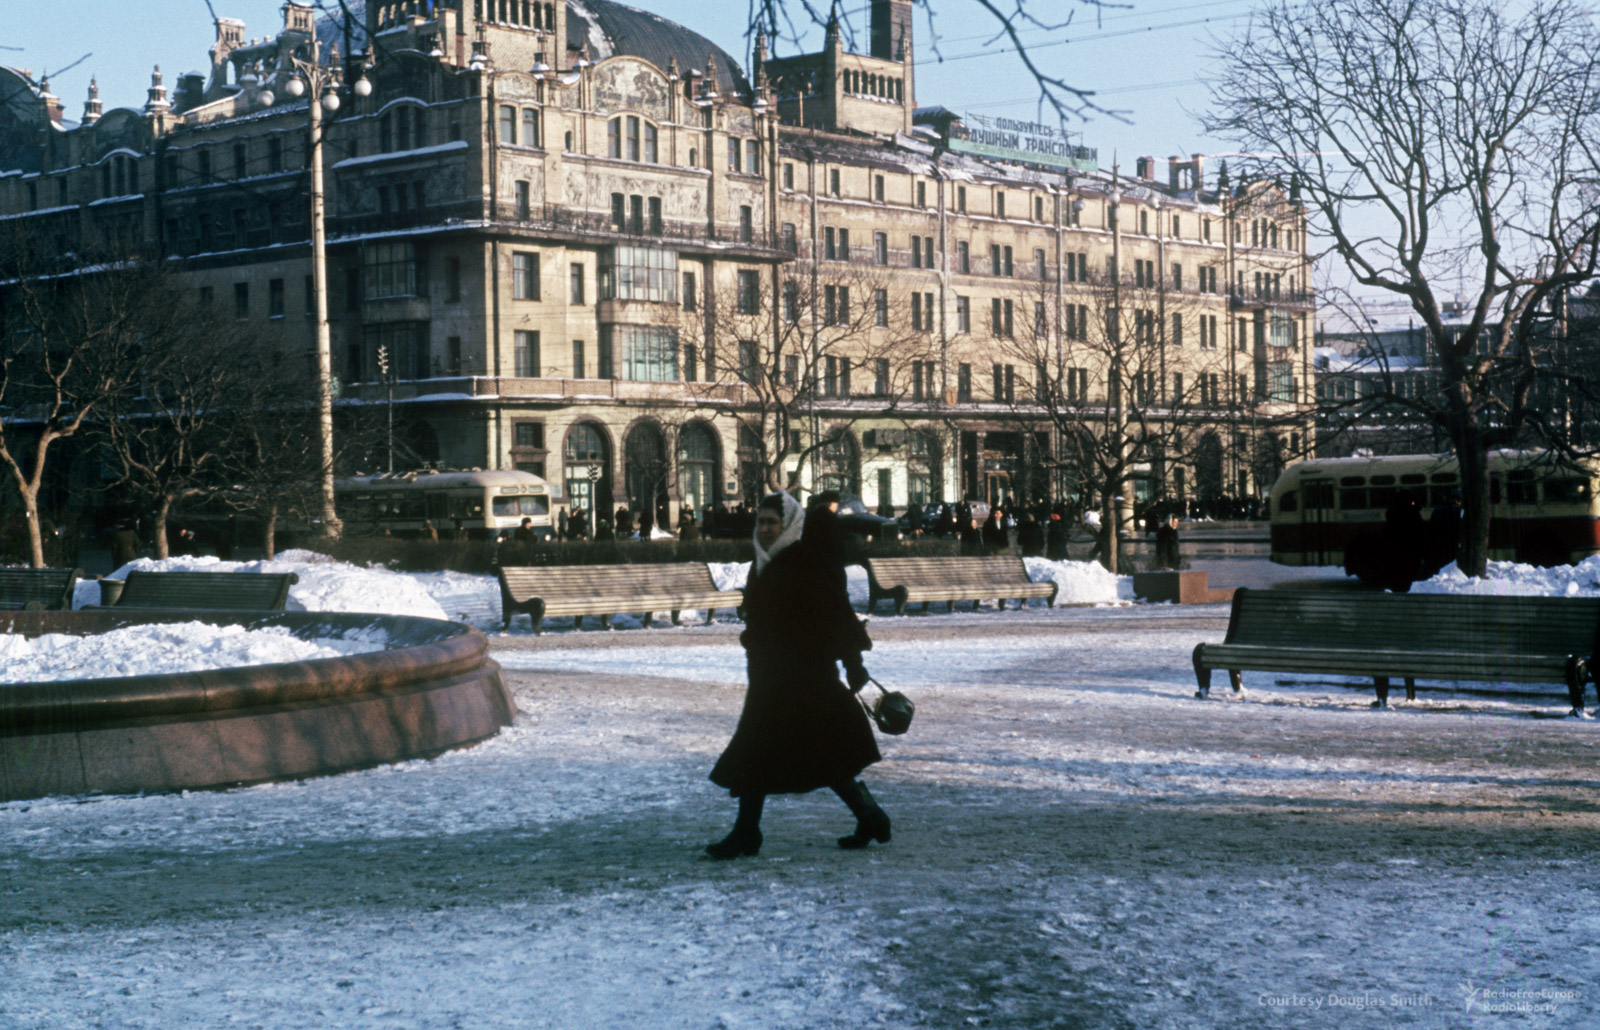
<point>521,504</point>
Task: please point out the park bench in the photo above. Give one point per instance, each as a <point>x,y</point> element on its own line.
<point>1407,636</point>
<point>908,580</point>
<point>246,591</point>
<point>37,589</point>
<point>607,590</point>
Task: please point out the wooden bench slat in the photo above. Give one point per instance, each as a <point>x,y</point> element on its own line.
<point>920,580</point>
<point>605,590</point>
<point>1387,636</point>
<point>37,589</point>
<point>243,591</point>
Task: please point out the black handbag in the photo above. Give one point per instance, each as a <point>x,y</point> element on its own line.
<point>892,710</point>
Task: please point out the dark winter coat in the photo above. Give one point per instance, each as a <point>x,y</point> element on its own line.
<point>801,728</point>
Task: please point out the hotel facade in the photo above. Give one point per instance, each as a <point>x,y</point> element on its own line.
<point>577,239</point>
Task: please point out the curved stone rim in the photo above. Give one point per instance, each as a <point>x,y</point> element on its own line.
<point>433,689</point>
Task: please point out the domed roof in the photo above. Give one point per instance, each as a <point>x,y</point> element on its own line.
<point>610,29</point>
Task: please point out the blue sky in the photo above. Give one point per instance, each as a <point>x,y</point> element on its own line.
<point>1144,58</point>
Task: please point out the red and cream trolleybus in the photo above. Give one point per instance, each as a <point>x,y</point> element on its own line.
<point>1542,507</point>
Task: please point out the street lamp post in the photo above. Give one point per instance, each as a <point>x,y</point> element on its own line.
<point>322,84</point>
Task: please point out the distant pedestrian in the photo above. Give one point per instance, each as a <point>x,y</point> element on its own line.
<point>688,531</point>
<point>1031,537</point>
<point>1167,554</point>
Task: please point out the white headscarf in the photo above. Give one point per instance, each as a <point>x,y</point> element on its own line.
<point>794,520</point>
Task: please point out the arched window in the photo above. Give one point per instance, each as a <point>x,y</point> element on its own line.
<point>697,466</point>
<point>646,472</point>
<point>587,462</point>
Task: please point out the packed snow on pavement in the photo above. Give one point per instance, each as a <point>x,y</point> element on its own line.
<point>1077,843</point>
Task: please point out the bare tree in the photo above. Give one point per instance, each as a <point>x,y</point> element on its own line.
<point>1119,392</point>
<point>1443,147</point>
<point>804,353</point>
<point>69,344</point>
<point>170,439</point>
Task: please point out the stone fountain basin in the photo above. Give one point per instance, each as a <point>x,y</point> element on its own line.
<point>433,688</point>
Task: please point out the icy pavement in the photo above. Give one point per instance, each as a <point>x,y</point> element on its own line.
<point>1077,843</point>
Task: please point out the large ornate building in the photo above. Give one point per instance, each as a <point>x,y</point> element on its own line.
<point>578,239</point>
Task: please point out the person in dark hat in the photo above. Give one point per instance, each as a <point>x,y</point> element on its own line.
<point>801,729</point>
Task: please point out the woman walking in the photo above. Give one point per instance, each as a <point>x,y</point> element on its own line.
<point>801,728</point>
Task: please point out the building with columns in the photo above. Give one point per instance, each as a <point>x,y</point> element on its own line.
<point>578,239</point>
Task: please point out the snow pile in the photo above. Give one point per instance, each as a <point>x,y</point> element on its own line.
<point>1081,582</point>
<point>163,649</point>
<point>1509,579</point>
<point>325,585</point>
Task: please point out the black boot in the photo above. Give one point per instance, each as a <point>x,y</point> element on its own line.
<point>746,836</point>
<point>872,823</point>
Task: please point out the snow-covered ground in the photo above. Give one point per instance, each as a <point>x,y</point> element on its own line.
<point>1077,843</point>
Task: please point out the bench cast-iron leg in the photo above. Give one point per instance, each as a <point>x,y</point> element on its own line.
<point>1381,684</point>
<point>1236,681</point>
<point>1202,674</point>
<point>1411,688</point>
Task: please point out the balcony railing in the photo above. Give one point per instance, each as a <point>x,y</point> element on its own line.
<point>559,218</point>
<point>1283,299</point>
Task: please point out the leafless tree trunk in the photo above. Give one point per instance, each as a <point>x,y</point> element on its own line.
<point>1443,147</point>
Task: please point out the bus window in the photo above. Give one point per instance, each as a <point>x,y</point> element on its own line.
<point>1494,489</point>
<point>1567,491</point>
<point>1319,495</point>
<point>535,504</point>
<point>1351,498</point>
<point>1383,481</point>
<point>438,506</point>
<point>1444,477</point>
<point>1438,495</point>
<point>1288,502</point>
<point>521,504</point>
<point>1521,487</point>
<point>1381,496</point>
<point>1412,479</point>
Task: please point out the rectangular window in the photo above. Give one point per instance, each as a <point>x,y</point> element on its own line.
<point>575,276</point>
<point>833,181</point>
<point>508,124</point>
<point>525,353</point>
<point>963,258</point>
<point>927,252</point>
<point>881,309</point>
<point>916,251</point>
<point>603,366</point>
<point>1040,272</point>
<point>916,381</point>
<point>752,157</point>
<point>788,175</point>
<point>656,224</point>
<point>524,276</point>
<point>964,383</point>
<point>734,163</point>
<point>791,370</point>
<point>1177,330</point>
<point>524,200</point>
<point>1041,327</point>
<point>577,359</point>
<point>648,354</point>
<point>922,194</point>
<point>963,314</point>
<point>916,312</point>
<point>452,279</point>
<point>639,273</point>
<point>999,205</point>
<point>691,295</point>
<point>749,362</point>
<point>652,143</point>
<point>749,292</point>
<point>241,300</point>
<point>791,302</point>
<point>880,377</point>
<point>614,139</point>
<point>830,243</point>
<point>530,127</point>
<point>880,248</point>
<point>275,298</point>
<point>961,199</point>
<point>877,188</point>
<point>746,224</point>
